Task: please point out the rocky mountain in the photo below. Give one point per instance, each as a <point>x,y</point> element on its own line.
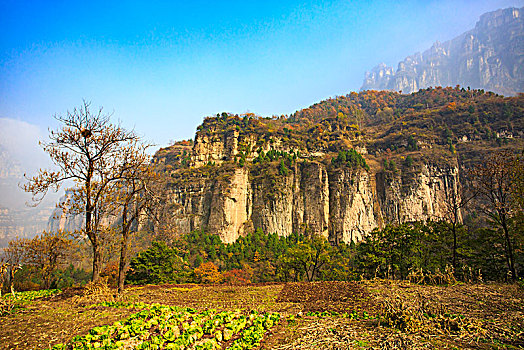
<point>339,168</point>
<point>489,57</point>
<point>16,218</point>
<point>60,220</point>
<point>24,222</point>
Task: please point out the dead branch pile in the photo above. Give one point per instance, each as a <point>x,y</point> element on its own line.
<point>95,292</point>
<point>420,315</point>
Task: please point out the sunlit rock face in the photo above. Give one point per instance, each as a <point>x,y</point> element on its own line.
<point>489,57</point>
<point>339,168</point>
<point>341,204</point>
<point>60,220</point>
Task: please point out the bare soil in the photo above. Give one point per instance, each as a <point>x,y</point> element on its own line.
<point>485,316</point>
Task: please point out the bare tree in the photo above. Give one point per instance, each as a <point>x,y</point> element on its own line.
<point>87,149</point>
<point>130,197</point>
<point>495,181</point>
<point>456,200</point>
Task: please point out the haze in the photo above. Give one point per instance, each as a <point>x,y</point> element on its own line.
<point>161,67</point>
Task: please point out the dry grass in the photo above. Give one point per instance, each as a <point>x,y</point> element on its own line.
<point>470,315</point>
<point>409,316</point>
<point>46,323</point>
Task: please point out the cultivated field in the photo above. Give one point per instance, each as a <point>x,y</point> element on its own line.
<point>378,314</point>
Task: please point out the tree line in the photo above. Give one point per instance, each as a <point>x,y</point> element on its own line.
<point>112,184</point>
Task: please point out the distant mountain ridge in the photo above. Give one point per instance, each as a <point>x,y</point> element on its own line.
<point>16,218</point>
<point>489,57</point>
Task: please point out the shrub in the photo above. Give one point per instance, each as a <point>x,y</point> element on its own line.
<point>158,264</point>
<point>208,273</point>
<point>350,158</point>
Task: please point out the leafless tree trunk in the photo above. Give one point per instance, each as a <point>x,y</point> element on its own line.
<point>87,149</point>
<point>495,181</point>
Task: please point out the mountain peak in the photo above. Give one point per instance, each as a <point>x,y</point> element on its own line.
<point>499,17</point>
<point>487,57</point>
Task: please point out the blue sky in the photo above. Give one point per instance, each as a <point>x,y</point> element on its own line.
<point>161,67</point>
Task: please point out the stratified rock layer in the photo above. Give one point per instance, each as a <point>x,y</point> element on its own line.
<point>342,204</point>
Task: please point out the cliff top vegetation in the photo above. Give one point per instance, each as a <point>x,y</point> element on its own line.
<point>431,123</point>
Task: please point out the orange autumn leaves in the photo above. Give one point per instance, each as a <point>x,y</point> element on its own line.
<point>208,273</point>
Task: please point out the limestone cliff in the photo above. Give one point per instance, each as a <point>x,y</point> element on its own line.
<point>292,174</point>
<point>489,57</point>
<point>314,198</point>
<point>339,168</point>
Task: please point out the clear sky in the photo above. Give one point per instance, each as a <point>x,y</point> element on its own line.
<point>161,67</point>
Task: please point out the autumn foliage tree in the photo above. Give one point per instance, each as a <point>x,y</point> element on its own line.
<point>496,181</point>
<point>90,151</point>
<point>208,273</point>
<point>48,251</point>
<point>236,276</point>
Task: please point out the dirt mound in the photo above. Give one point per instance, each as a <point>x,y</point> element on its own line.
<point>329,296</point>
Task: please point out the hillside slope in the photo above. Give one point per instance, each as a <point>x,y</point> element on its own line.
<point>339,168</point>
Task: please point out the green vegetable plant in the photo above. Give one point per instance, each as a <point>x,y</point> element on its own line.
<point>32,295</point>
<point>171,327</point>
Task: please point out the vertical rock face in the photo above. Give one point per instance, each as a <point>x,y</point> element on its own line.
<point>314,191</point>
<point>229,206</point>
<point>274,205</point>
<point>419,196</point>
<point>61,221</point>
<point>490,57</point>
<point>215,149</point>
<point>341,204</point>
<point>352,204</point>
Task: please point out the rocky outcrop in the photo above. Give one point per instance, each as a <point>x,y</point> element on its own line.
<point>489,57</point>
<point>354,206</point>
<point>416,196</point>
<point>338,169</point>
<point>65,222</point>
<point>16,218</point>
<point>341,204</point>
<point>229,209</point>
